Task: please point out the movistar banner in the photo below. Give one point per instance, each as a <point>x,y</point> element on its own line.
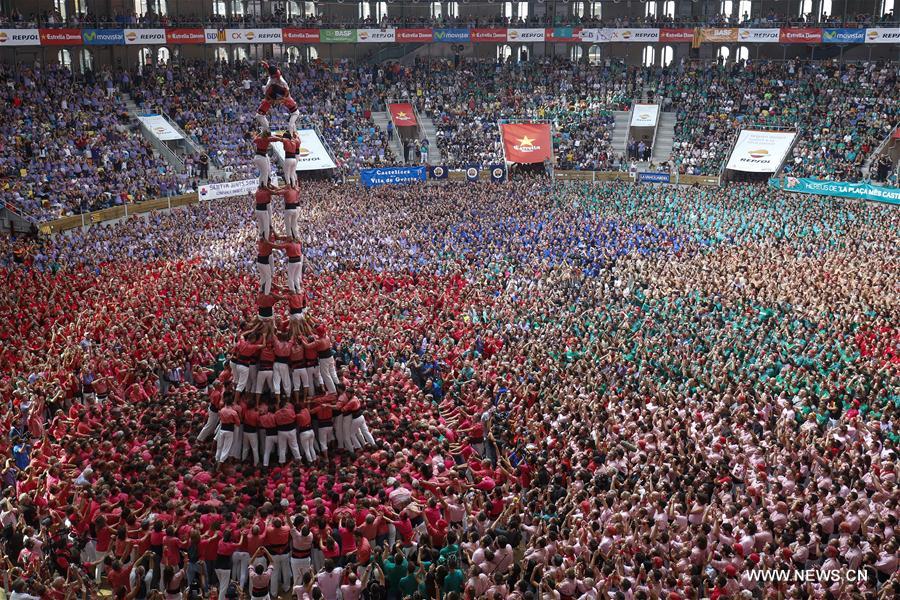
<point>451,35</point>
<point>103,37</point>
<point>391,175</point>
<point>842,189</point>
<point>844,36</point>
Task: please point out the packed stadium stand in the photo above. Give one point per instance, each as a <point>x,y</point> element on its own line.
<point>449,300</point>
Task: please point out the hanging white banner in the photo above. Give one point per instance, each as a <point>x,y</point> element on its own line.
<point>526,35</point>
<point>760,151</point>
<point>135,37</point>
<point>759,36</point>
<point>883,35</point>
<point>312,155</point>
<point>159,127</point>
<point>20,37</point>
<point>227,189</point>
<point>644,115</point>
<point>375,36</point>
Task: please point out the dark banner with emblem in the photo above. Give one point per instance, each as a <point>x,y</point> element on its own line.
<point>498,173</point>
<point>438,172</point>
<point>472,171</point>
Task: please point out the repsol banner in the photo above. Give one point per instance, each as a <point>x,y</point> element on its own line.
<point>391,175</point>
<point>759,151</point>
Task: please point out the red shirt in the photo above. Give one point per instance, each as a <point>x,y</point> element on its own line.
<point>304,419</point>
<point>291,196</point>
<point>285,415</point>
<point>263,196</point>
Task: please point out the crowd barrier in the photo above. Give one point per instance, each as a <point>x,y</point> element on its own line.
<point>125,210</point>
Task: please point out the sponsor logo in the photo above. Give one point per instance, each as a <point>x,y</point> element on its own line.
<point>513,34</point>
<point>303,152</point>
<point>761,153</point>
<point>402,116</point>
<point>526,144</point>
<point>131,36</point>
<point>3,37</point>
<point>363,35</point>
<point>872,34</point>
<point>626,35</point>
<point>471,172</point>
<point>498,173</point>
<point>643,116</point>
<point>438,171</point>
<point>204,191</point>
<point>413,35</point>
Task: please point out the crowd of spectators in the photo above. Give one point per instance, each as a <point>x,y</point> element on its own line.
<point>582,391</point>
<point>279,17</point>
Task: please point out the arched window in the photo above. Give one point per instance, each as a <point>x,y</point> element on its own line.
<point>60,6</point>
<point>157,7</point>
<point>824,8</point>
<point>666,56</point>
<point>504,51</point>
<point>650,9</point>
<point>596,9</point>
<point>145,56</point>
<point>515,10</point>
<point>240,54</point>
<point>578,10</point>
<point>375,10</point>
<point>594,54</point>
<point>65,58</point>
<point>237,8</point>
<point>726,7</point>
<point>886,7</point>
<point>80,7</point>
<point>218,8</point>
<point>221,54</point>
<point>649,56</point>
<point>743,53</point>
<point>295,9</point>
<point>163,55</point>
<point>86,60</point>
<point>806,7</point>
<point>293,54</point>
<point>437,10</point>
<point>576,53</point>
<point>668,9</point>
<point>745,8</point>
<point>724,53</point>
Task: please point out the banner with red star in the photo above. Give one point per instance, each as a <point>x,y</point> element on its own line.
<point>526,142</point>
<point>402,115</point>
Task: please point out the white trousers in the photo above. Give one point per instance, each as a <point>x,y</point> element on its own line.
<point>237,442</point>
<point>329,374</point>
<point>264,223</point>
<point>290,171</point>
<point>224,441</point>
<point>315,376</point>
<point>295,275</point>
<point>292,222</point>
<point>299,566</point>
<point>282,571</point>
<point>251,446</point>
<point>287,439</point>
<point>212,421</point>
<point>265,169</point>
<point>292,121</point>
<point>265,276</point>
<point>326,436</point>
<point>299,379</point>
<point>281,379</point>
<point>360,431</point>
<point>224,577</point>
<point>307,443</point>
<point>240,563</point>
<point>241,376</point>
<point>263,380</point>
<point>271,442</point>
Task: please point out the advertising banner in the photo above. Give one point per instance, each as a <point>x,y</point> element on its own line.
<point>311,156</point>
<point>589,35</point>
<point>718,35</point>
<point>215,36</point>
<point>632,35</point>
<point>843,36</point>
<point>451,36</point>
<point>760,151</point>
<point>292,35</point>
<point>185,36</point>
<point>498,173</point>
<point>488,35</point>
<point>759,36</point>
<point>391,175</point>
<point>159,127</point>
<point>526,142</point>
<point>645,115</point>
<point>103,37</point>
<point>438,172</point>
<point>654,178</point>
<point>472,171</point>
<point>253,36</point>
<point>60,37</point>
<point>526,35</point>
<point>227,189</point>
<point>800,36</point>
<point>679,35</point>
<point>842,189</point>
<point>20,37</point>
<point>883,35</point>
<point>402,114</point>
<point>563,34</point>
<point>338,36</point>
<point>376,36</point>
<point>407,36</point>
<point>137,37</point>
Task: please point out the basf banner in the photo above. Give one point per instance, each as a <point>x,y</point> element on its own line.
<point>526,142</point>
<point>376,36</point>
<point>718,35</point>
<point>883,35</point>
<point>136,37</point>
<point>760,151</point>
<point>20,37</point>
<point>758,36</point>
<point>402,114</point>
<point>337,36</point>
<point>526,35</point>
<point>228,189</point>
<point>391,175</point>
<point>644,115</point>
<point>159,127</point>
<point>312,155</point>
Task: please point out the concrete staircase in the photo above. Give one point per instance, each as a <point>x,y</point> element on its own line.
<point>620,131</point>
<point>381,120</point>
<point>435,157</point>
<point>665,137</point>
